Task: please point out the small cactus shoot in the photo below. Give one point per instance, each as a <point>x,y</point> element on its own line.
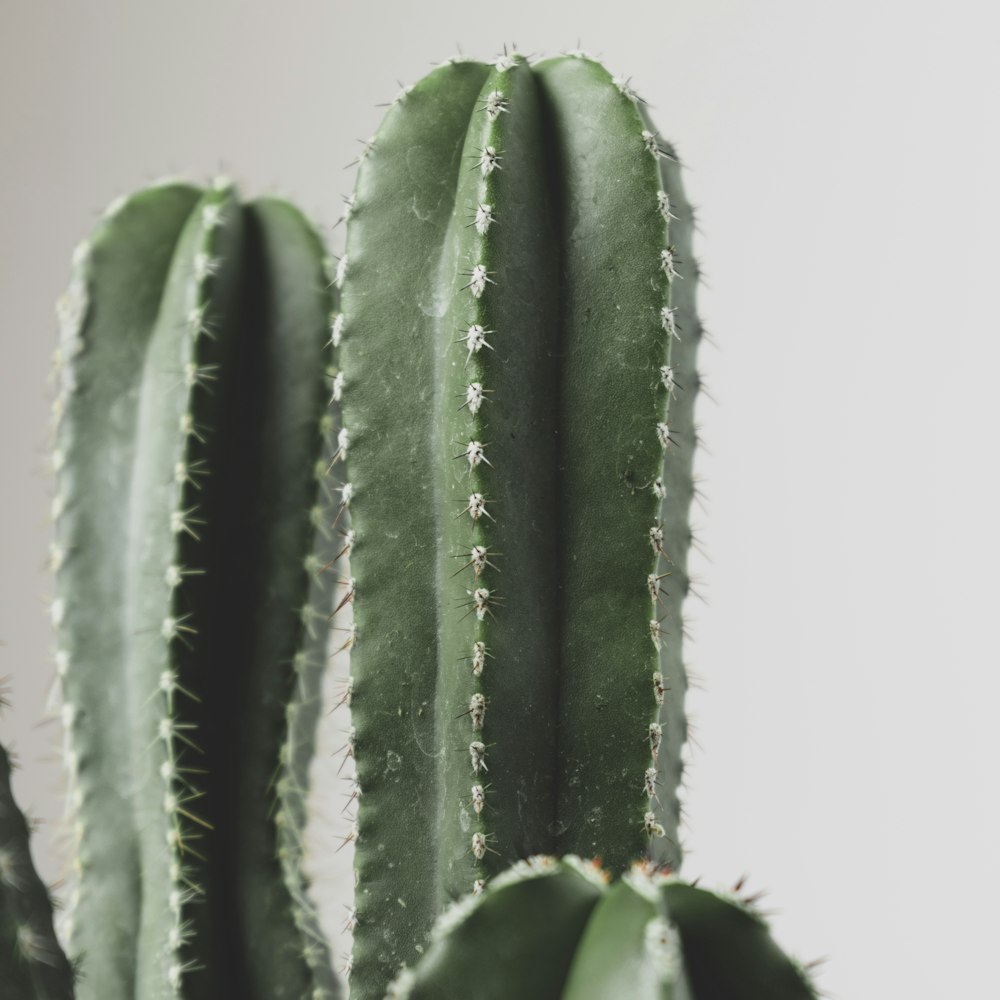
<point>550,929</point>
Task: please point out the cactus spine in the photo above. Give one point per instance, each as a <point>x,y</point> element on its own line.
<point>510,308</point>
<point>192,444</point>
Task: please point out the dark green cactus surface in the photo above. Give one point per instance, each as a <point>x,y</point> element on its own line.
<point>518,314</point>
<point>192,444</point>
<point>32,965</point>
<point>553,930</point>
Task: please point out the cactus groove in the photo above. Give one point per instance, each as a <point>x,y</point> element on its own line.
<point>192,442</point>
<point>518,495</point>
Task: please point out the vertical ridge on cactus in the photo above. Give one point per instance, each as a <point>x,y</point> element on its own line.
<point>509,305</point>
<point>192,447</point>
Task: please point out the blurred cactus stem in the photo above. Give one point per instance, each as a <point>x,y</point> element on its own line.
<point>194,575</point>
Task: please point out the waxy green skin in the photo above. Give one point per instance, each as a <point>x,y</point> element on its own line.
<point>552,189</point>
<point>552,930</point>
<point>192,444</point>
<point>32,965</point>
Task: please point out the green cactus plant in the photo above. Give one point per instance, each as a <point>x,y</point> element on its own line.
<point>32,965</point>
<point>518,313</point>
<point>193,437</point>
<point>551,929</point>
<point>515,359</point>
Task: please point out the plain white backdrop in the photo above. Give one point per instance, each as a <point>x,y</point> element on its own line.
<point>844,158</point>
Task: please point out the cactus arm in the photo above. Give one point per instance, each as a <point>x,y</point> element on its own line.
<point>106,319</point>
<point>502,350</point>
<point>218,502</point>
<point>32,965</point>
<point>612,412</point>
<point>627,950</point>
<point>728,949</point>
<point>517,940</point>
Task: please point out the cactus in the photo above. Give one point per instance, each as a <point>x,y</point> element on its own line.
<point>552,929</point>
<point>518,312</point>
<point>515,361</point>
<point>192,442</point>
<point>32,965</point>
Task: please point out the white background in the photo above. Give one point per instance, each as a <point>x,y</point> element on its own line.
<point>845,158</point>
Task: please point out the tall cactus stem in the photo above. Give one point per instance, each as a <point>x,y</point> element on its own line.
<point>505,373</point>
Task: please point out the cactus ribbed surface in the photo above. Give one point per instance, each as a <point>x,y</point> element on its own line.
<point>518,313</point>
<point>32,965</point>
<point>192,443</point>
<point>553,929</point>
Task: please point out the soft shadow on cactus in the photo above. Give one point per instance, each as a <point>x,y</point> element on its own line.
<point>515,360</point>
